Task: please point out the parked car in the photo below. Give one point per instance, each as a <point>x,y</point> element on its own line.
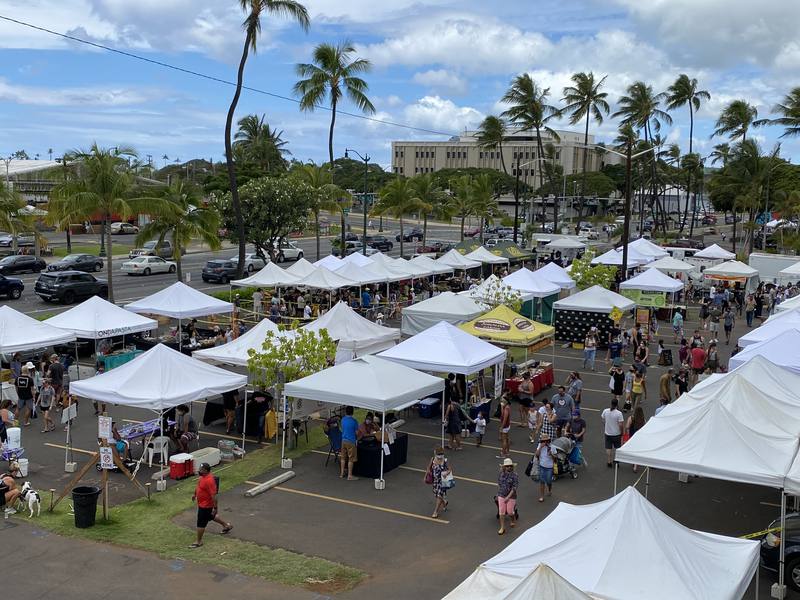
<point>146,265</point>
<point>219,271</point>
<point>472,231</point>
<point>23,239</point>
<point>122,228</point>
<point>709,220</point>
<point>21,264</point>
<point>164,250</point>
<point>252,262</point>
<point>77,262</point>
<point>491,242</point>
<point>770,549</point>
<point>352,247</point>
<point>412,235</point>
<point>288,251</point>
<point>433,248</point>
<point>588,233</point>
<point>68,286</point>
<point>379,242</point>
<point>505,231</point>
<point>687,243</point>
<point>11,287</point>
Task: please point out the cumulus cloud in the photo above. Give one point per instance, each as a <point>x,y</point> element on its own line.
<point>440,114</point>
<point>78,96</point>
<point>441,80</point>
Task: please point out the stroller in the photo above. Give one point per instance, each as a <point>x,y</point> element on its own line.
<point>566,453</point>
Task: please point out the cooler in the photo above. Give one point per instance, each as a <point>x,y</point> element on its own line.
<point>429,407</point>
<point>181,466</point>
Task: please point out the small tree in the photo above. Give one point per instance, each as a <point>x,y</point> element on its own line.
<point>498,293</point>
<point>586,274</point>
<point>297,355</point>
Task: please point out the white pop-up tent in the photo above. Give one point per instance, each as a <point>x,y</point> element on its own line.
<point>486,288</point>
<point>410,269</point>
<point>663,559</point>
<point>670,265</point>
<point>180,301</point>
<point>20,332</point>
<point>790,273</point>
<point>301,268</point>
<point>576,314</point>
<point>358,259</point>
<point>647,248</point>
<point>363,275</point>
<point>324,279</point>
<point>714,252</point>
<point>780,350</point>
<point>565,243</point>
<point>270,276</point>
<point>652,280</point>
<point>482,255</point>
<point>433,267</point>
<point>447,306</point>
<point>773,327</point>
<point>731,270</point>
<point>613,258</point>
<point>97,318</point>
<point>543,582</point>
<point>555,274</point>
<point>356,336</point>
<point>595,299</point>
<point>365,382</point>
<point>444,348</point>
<point>786,305</point>
<point>236,352</point>
<point>330,262</point>
<point>453,258</point>
<point>531,285</point>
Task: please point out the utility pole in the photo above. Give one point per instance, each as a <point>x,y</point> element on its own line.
<point>626,228</point>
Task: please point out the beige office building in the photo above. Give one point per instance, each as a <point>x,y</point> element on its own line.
<point>414,157</point>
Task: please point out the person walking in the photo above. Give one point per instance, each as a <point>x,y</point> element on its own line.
<point>575,387</point>
<point>505,428</point>
<point>563,405</point>
<point>665,385</point>
<point>507,484</point>
<point>348,455</point>
<point>205,495</point>
<point>677,326</point>
<point>452,423</point>
<point>440,471</point>
<point>258,304</point>
<point>525,395</point>
<point>712,358</point>
<point>612,429</point>
<point>728,321</point>
<point>46,401</point>
<point>616,381</point>
<point>590,348</point>
<point>681,383</point>
<point>749,310</point>
<point>544,454</point>
<point>697,360</point>
<point>638,389</point>
<point>634,423</point>
<point>25,394</point>
<point>628,388</point>
<point>547,421</point>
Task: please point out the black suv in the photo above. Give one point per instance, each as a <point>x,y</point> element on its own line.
<point>219,271</point>
<point>21,264</point>
<point>11,287</point>
<point>415,235</point>
<point>770,549</point>
<point>379,242</point>
<point>68,286</point>
<point>77,262</point>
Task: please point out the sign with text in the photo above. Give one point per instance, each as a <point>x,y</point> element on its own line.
<point>106,458</point>
<point>646,298</point>
<point>104,428</point>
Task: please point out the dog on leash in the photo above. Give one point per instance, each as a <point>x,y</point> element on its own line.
<point>31,497</point>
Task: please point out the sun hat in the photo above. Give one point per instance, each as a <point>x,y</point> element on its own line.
<point>30,365</point>
<point>545,437</point>
<point>508,463</point>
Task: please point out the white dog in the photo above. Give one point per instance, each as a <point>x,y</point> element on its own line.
<point>31,497</point>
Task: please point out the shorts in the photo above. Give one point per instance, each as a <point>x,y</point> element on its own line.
<point>713,327</point>
<point>613,441</point>
<point>204,516</point>
<point>545,475</point>
<point>676,328</point>
<point>506,507</point>
<point>526,401</point>
<point>121,446</point>
<point>698,371</point>
<point>560,423</point>
<point>728,328</point>
<point>348,451</point>
<point>25,403</point>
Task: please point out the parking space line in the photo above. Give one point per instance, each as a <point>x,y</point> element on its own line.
<point>361,505</point>
<point>435,437</point>
<point>78,450</point>
<point>206,432</point>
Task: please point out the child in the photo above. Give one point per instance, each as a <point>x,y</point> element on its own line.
<point>660,352</point>
<point>47,399</point>
<point>533,417</point>
<point>480,428</point>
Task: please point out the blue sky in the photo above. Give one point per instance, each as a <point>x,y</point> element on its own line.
<point>439,65</point>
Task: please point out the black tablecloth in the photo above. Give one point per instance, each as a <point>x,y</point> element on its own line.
<point>369,457</point>
<point>213,411</point>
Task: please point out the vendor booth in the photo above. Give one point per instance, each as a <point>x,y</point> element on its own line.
<point>538,293</point>
<point>374,384</point>
<point>710,256</point>
<point>409,269</point>
<point>773,327</point>
<point>671,265</point>
<point>324,279</point>
<point>510,250</point>
<point>592,307</point>
<point>790,274</point>
<point>454,259</point>
<point>482,255</point>
<point>271,276</point>
<point>447,306</point>
<point>613,258</point>
<point>20,332</point>
<point>652,289</point>
<point>787,305</point>
<point>301,268</point>
<point>433,267</point>
<point>564,244</point>
<point>732,272</point>
<point>330,262</point>
<point>358,259</point>
<point>780,350</point>
<point>543,582</point>
<point>556,274</point>
<point>582,543</point>
<point>468,245</point>
<point>643,247</point>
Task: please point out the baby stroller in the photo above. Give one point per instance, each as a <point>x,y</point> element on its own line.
<point>564,448</point>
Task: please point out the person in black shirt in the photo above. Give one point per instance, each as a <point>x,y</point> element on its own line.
<point>25,393</point>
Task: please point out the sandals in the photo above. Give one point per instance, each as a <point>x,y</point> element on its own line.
<point>227,529</point>
<point>501,531</point>
<point>195,545</point>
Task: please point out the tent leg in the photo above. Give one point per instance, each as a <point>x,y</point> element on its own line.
<point>757,574</point>
<point>161,454</point>
<point>616,472</point>
<point>244,420</point>
<point>283,441</point>
<point>380,484</point>
<point>77,363</point>
<point>781,566</point>
<point>646,481</point>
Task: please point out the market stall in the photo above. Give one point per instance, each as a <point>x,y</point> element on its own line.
<point>433,267</point>
<point>454,259</point>
<point>671,265</point>
<point>510,250</point>
<point>271,276</point>
<point>664,560</point>
<point>447,306</point>
<point>788,305</point>
<point>592,307</point>
<point>780,350</point>
<point>773,327</point>
<point>330,262</point>
<point>556,274</point>
<point>710,256</point>
<point>357,259</point>
<point>732,272</point>
<point>652,289</point>
<point>482,255</point>
<point>374,384</point>
<point>301,268</point>
<point>324,279</point>
<point>542,582</point>
<point>644,247</point>
<point>538,293</point>
<point>613,258</point>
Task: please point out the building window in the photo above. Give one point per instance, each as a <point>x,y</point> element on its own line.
<point>416,154</point>
<point>416,169</point>
<point>448,154</point>
<point>527,154</point>
<point>401,170</point>
<point>401,154</point>
<point>395,169</point>
<point>558,155</point>
<point>396,154</point>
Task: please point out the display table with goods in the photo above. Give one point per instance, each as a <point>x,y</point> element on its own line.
<point>369,456</point>
<point>118,358</point>
<point>542,377</point>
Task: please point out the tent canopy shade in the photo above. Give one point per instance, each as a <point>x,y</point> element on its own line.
<point>482,255</point>
<point>409,269</point>
<point>504,327</point>
<point>236,352</point>
<point>731,268</point>
<point>530,284</point>
<point>324,279</point>
<point>301,268</point>
<point>330,262</point>
<point>555,274</point>
<point>714,252</point>
<point>366,382</point>
<point>652,280</point>
<point>645,247</point>
<point>20,332</point>
<point>364,275</point>
<point>780,350</point>
<point>453,258</point>
<point>268,277</point>
<point>543,582</point>
<point>433,267</point>
<point>565,243</point>
<point>158,380</point>
<point>773,327</point>
<point>670,265</point>
<point>614,258</point>
<point>97,318</point>
<point>353,331</point>
<point>358,259</point>
<point>447,306</point>
<point>790,304</point>
<point>444,348</point>
<point>595,299</point>
<point>180,301</point>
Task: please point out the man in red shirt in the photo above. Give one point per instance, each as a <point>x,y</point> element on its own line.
<point>206,496</point>
<point>697,357</point>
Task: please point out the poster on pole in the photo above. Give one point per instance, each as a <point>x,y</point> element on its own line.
<point>104,428</point>
<point>106,458</point>
<point>69,413</point>
<point>498,380</point>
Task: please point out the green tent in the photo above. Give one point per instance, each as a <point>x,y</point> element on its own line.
<point>468,245</point>
<point>539,309</point>
<point>508,249</point>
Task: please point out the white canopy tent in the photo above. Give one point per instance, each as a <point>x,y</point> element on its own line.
<point>324,279</point>
<point>565,243</point>
<point>664,560</point>
<point>358,259</point>
<point>433,267</point>
<point>330,262</point>
<point>236,351</point>
<point>444,348</point>
<point>645,247</point>
<point>652,280</point>
<point>366,382</point>
<point>270,276</point>
<point>364,275</point>
<point>531,285</point>
<point>356,336</point>
<point>301,268</point>
<point>670,265</point>
<point>20,332</point>
<point>97,318</point>
<point>614,258</point>
<point>543,582</point>
<point>594,299</point>
<point>714,252</point>
<point>482,255</point>
<point>733,271</point>
<point>780,350</point>
<point>790,274</point>
<point>453,258</point>
<point>787,305</point>
<point>555,274</point>
<point>380,257</point>
<point>773,327</point>
<point>409,269</point>
<point>447,306</point>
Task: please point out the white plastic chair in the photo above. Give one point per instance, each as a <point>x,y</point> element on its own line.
<point>158,445</point>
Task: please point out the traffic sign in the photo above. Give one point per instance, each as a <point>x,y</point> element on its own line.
<point>106,458</point>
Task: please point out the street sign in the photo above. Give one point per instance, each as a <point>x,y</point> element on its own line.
<point>106,457</point>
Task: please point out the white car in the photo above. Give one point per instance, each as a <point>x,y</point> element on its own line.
<point>147,265</point>
<point>588,233</point>
<point>288,251</point>
<point>252,262</point>
<point>121,228</point>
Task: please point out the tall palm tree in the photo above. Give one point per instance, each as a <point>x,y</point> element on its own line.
<point>259,141</point>
<point>721,154</point>
<point>183,217</point>
<point>10,219</point>
<point>736,119</point>
<point>397,199</point>
<point>529,109</point>
<point>255,9</point>
<point>165,158</point>
<point>484,201</point>
<point>326,194</point>
<point>461,203</point>
<point>684,92</point>
<point>491,133</point>
<point>103,184</point>
<point>789,111</point>
<point>584,100</point>
<point>429,194</point>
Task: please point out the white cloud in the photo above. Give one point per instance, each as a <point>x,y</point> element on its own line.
<point>107,95</point>
<point>441,80</point>
<point>442,115</point>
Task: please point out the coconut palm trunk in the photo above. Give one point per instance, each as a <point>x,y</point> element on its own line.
<point>109,256</point>
<point>583,171</point>
<point>177,253</point>
<point>316,232</point>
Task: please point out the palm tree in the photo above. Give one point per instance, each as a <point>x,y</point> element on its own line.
<point>255,9</point>
<point>103,185</point>
<point>530,111</point>
<point>258,141</point>
<point>460,204</point>
<point>326,195</point>
<point>428,192</point>
<point>183,217</point>
<point>684,92</point>
<point>491,133</point>
<point>397,199</point>
<point>484,201</point>
<point>165,158</point>
<point>10,220</point>
<point>721,154</point>
<point>585,100</point>
<point>735,120</point>
<point>332,75</point>
<point>789,111</point>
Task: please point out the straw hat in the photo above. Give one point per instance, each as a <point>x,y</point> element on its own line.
<point>545,437</point>
<point>508,463</point>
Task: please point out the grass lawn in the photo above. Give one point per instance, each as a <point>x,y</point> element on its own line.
<point>117,248</point>
<point>149,526</point>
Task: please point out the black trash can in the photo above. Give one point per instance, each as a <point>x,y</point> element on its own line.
<point>84,500</point>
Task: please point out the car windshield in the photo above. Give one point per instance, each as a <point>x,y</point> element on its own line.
<point>7,260</point>
<point>149,245</point>
<point>72,257</point>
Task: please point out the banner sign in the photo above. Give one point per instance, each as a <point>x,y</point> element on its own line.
<point>646,298</point>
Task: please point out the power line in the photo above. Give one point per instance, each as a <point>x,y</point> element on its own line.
<point>213,78</point>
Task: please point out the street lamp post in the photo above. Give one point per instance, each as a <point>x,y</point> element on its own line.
<point>364,199</point>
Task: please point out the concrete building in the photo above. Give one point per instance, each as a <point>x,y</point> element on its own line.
<point>411,158</point>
